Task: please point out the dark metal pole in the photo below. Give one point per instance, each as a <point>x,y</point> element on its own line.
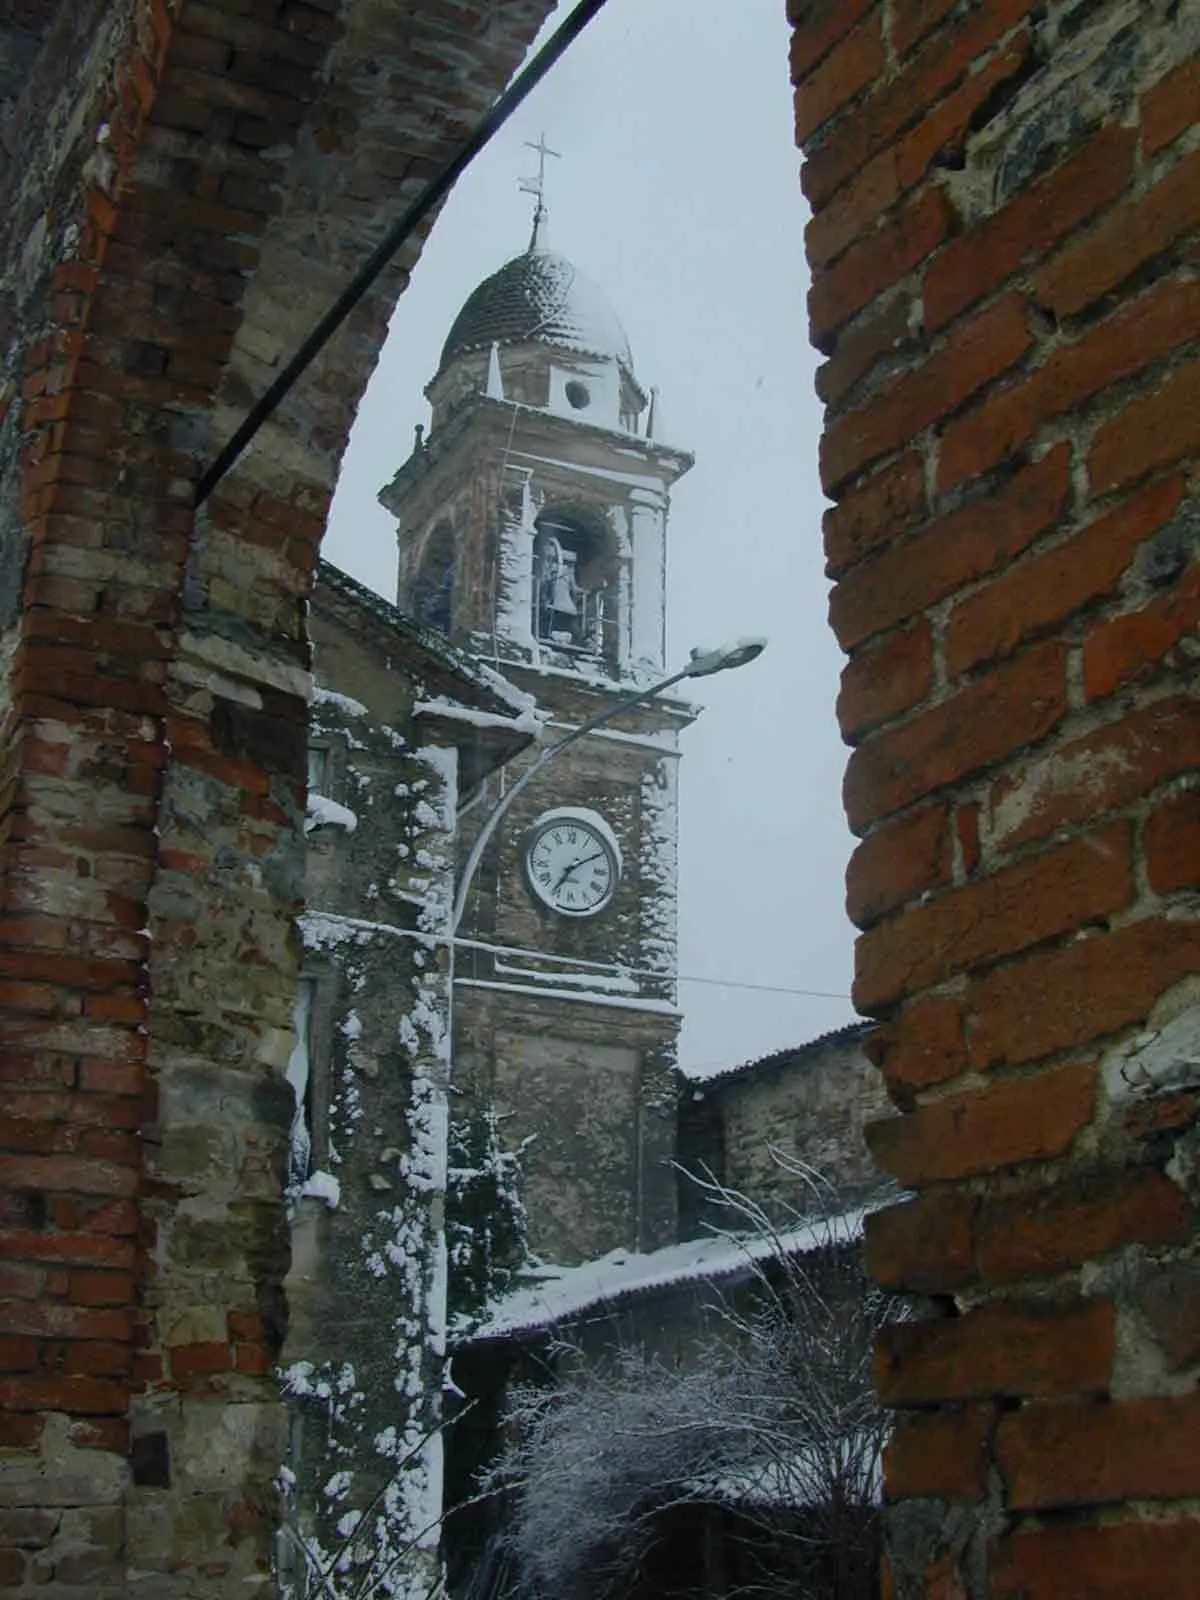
<point>383,252</point>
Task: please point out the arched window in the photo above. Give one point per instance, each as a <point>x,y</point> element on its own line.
<point>572,584</point>
<point>433,588</point>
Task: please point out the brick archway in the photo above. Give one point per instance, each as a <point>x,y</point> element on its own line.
<point>197,182</point>
<point>1003,254</point>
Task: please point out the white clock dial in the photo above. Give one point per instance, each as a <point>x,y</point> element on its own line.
<point>572,863</point>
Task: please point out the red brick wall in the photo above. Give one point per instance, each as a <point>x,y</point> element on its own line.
<point>1006,215</point>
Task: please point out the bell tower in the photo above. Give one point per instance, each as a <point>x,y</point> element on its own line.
<point>532,528</point>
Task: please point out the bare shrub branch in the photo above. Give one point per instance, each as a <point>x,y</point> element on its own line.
<point>774,1418</point>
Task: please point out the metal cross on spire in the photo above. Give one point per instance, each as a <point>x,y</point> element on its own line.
<point>536,186</point>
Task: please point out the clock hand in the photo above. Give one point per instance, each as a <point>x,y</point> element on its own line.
<point>575,866</point>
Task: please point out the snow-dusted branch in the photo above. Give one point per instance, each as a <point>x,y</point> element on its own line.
<point>363,1565</point>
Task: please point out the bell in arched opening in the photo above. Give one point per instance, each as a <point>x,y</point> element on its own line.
<point>568,587</point>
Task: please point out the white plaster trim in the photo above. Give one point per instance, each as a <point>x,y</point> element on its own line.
<point>662,1008</point>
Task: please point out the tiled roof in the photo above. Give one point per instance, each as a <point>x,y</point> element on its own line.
<point>792,1055</point>
<point>539,297</point>
<point>439,665</point>
<point>561,1294</point>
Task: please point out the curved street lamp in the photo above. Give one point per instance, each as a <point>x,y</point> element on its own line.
<point>701,664</point>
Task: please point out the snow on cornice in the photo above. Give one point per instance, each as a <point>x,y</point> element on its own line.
<point>322,812</point>
<point>346,704</point>
<point>526,720</point>
<point>631,480</point>
<point>662,1008</point>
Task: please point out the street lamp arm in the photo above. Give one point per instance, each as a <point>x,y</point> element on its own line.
<point>503,805</point>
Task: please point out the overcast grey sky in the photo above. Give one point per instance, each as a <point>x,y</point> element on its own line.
<point>678,192</point>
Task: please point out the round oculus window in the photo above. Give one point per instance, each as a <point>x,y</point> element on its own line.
<point>578,394</point>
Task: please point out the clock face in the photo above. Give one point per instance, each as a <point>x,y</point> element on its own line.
<point>571,863</point>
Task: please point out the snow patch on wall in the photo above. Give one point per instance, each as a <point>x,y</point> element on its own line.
<point>326,930</point>
<point>343,703</point>
<point>326,813</point>
<point>514,585</point>
<point>322,1186</point>
<point>602,981</point>
<point>619,1002</point>
<point>398,1235</point>
<point>660,868</point>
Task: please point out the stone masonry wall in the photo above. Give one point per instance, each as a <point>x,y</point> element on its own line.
<point>1006,201</point>
<point>364,1354</point>
<point>759,1127</point>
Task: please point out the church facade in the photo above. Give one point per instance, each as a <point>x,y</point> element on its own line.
<point>531,533</point>
<point>531,527</point>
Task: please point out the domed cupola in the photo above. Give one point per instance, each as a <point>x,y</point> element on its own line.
<point>539,298</point>
<point>540,332</point>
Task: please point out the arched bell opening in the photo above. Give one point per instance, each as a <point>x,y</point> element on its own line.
<point>574,584</point>
<point>432,595</point>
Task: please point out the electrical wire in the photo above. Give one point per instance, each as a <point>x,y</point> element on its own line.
<point>619,969</point>
<point>433,940</point>
<point>763,988</point>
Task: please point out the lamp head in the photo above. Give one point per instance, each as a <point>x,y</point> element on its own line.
<point>705,662</point>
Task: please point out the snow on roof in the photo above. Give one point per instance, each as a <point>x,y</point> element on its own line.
<point>791,1055</point>
<point>564,1292</point>
<point>503,688</point>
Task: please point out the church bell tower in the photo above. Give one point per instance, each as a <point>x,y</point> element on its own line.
<point>532,527</point>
